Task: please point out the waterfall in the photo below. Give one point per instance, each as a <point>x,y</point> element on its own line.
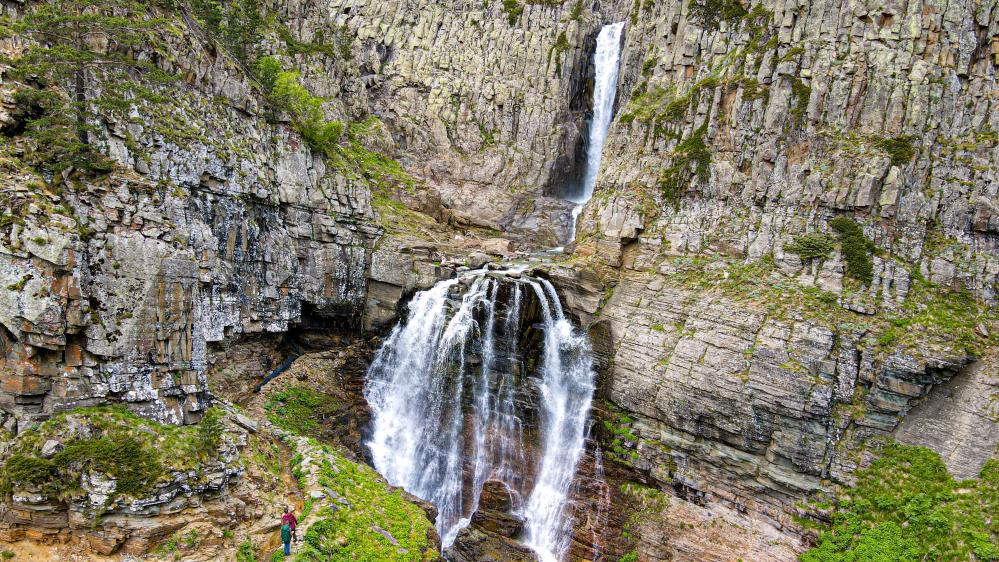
<point>606,59</point>
<point>450,391</point>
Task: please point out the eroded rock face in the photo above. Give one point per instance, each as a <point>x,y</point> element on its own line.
<point>732,139</point>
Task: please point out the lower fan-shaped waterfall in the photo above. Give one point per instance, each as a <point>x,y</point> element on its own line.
<point>485,379</point>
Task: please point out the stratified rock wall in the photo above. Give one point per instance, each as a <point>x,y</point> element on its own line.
<point>221,222</point>
<point>749,375</point>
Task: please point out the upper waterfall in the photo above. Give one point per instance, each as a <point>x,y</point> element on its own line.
<point>606,60</point>
<point>485,380</point>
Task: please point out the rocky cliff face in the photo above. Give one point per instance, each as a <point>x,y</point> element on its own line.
<point>751,370</point>
<point>748,342</point>
<point>221,223</point>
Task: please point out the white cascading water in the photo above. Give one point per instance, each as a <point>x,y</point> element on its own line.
<point>606,62</point>
<point>446,392</point>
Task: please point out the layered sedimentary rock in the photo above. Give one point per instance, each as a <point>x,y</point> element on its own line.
<point>749,374</point>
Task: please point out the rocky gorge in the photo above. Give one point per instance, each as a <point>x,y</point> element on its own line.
<point>786,274</point>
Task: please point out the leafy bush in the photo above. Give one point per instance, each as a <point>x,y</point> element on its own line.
<point>809,247</point>
<point>306,112</point>
<point>268,69</point>
<point>245,552</point>
<point>856,249</point>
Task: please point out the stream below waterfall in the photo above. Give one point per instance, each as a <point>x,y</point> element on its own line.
<point>485,379</point>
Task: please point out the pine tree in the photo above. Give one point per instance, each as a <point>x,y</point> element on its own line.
<point>82,59</point>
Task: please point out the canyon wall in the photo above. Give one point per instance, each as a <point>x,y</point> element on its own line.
<point>750,371</point>
<point>742,362</point>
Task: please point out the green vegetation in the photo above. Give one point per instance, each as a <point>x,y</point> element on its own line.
<point>856,249</point>
<point>349,535</point>
<point>513,9</point>
<point>561,46</point>
<point>662,107</point>
<point>286,92</point>
<point>301,410</point>
<point>941,315</point>
<point>674,180</point>
<point>236,24</point>
<point>245,552</point>
<point>136,452</point>
<point>710,13</point>
<point>67,45</point>
<point>814,246</point>
<point>801,92</point>
<point>339,44</point>
<point>898,149</point>
<point>931,318</point>
<point>906,506</point>
<point>19,285</point>
<point>620,428</point>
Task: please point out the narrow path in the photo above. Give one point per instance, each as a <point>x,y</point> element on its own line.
<point>293,498</point>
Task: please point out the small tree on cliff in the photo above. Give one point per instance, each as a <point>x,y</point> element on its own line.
<point>81,60</point>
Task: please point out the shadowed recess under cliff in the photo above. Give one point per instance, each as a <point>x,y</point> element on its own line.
<point>486,380</point>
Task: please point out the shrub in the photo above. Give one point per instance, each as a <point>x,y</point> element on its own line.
<point>811,246</point>
<point>899,149</point>
<point>306,112</point>
<point>245,552</point>
<point>856,249</point>
<point>906,506</point>
<point>710,13</point>
<point>267,70</point>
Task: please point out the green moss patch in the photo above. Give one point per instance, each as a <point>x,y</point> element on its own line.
<point>906,506</point>
<point>899,149</point>
<point>302,411</point>
<point>136,452</point>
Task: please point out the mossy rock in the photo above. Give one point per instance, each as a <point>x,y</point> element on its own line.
<point>137,453</point>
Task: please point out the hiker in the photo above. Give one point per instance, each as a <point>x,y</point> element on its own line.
<point>291,521</point>
<point>286,538</point>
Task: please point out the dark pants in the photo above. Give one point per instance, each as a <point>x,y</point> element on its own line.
<point>287,548</point>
